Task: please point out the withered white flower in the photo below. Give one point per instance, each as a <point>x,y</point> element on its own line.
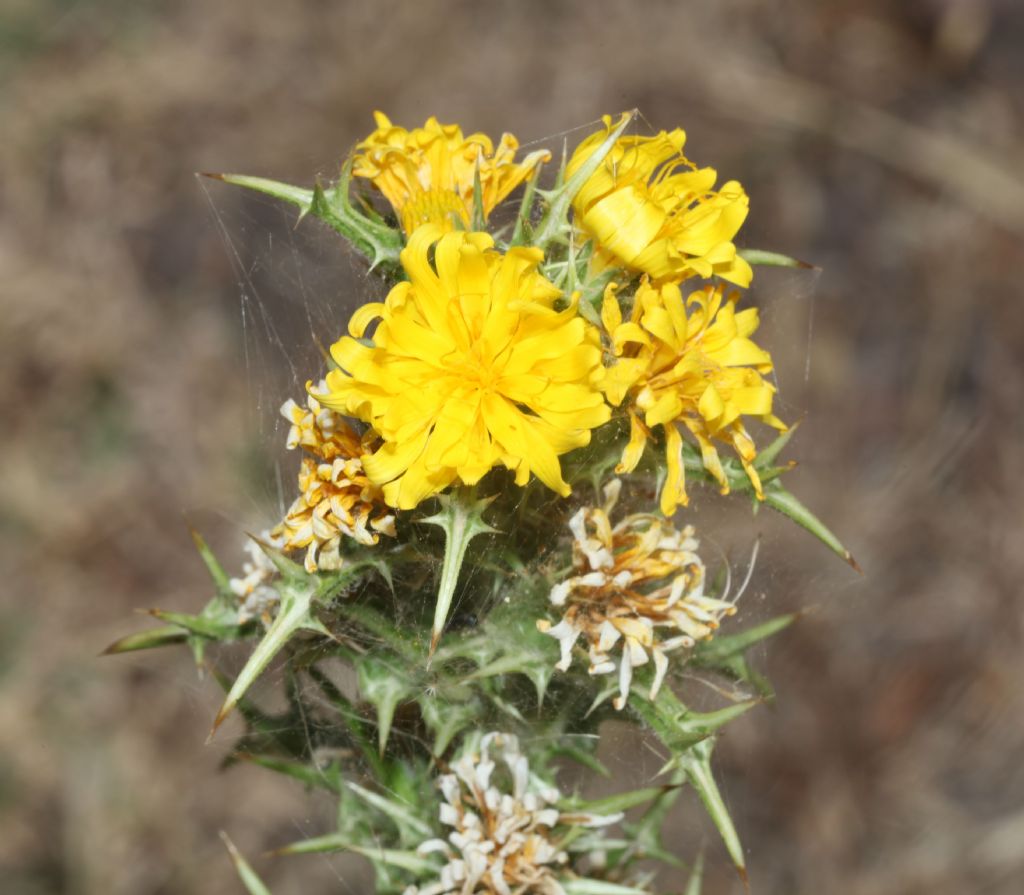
<point>336,498</point>
<point>631,580</point>
<point>501,842</point>
<point>255,595</point>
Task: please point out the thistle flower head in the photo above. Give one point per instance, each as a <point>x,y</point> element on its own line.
<point>501,841</point>
<point>693,364</point>
<point>471,366</point>
<point>428,174</point>
<point>639,584</point>
<point>336,498</point>
<point>650,209</point>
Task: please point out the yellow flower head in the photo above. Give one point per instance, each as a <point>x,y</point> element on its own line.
<point>651,210</point>
<point>428,173</point>
<point>336,499</point>
<point>638,585</point>
<point>692,364</point>
<point>470,366</point>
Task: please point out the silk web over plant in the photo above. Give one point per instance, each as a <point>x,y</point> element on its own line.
<point>457,666</point>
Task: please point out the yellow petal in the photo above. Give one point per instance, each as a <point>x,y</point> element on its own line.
<point>635,449</point>
<point>673,493</point>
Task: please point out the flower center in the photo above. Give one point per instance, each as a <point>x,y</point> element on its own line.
<point>474,369</point>
<point>436,205</point>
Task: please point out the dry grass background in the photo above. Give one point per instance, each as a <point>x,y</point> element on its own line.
<point>883,141</point>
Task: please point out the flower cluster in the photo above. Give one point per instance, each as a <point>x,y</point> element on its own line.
<point>634,583</point>
<point>503,839</point>
<point>477,359</point>
<point>501,367</point>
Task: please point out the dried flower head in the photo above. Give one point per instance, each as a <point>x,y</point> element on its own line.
<point>693,364</point>
<point>501,841</point>
<point>428,174</point>
<point>336,498</point>
<point>470,366</point>
<point>635,582</point>
<point>256,597</point>
<point>652,210</point>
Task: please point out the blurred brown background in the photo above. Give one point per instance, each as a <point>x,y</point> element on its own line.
<point>882,141</point>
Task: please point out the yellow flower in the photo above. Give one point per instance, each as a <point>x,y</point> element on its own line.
<point>428,173</point>
<point>692,364</point>
<point>470,366</point>
<point>631,583</point>
<point>651,210</point>
<point>336,498</point>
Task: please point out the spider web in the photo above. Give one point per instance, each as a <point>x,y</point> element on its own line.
<point>296,285</point>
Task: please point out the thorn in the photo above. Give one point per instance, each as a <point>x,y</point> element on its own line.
<point>197,538</point>
<point>221,715</point>
<point>229,845</point>
<point>212,176</point>
<point>853,563</point>
<point>742,873</point>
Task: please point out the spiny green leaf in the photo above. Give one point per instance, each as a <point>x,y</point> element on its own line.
<point>555,221</point>
<point>696,881</point>
<point>479,219</point>
<point>400,814</point>
<point>677,726</point>
<point>384,685</point>
<point>505,706</point>
<point>378,242</point>
<point>522,227</point>
<point>385,628</point>
<point>538,669</point>
<point>329,843</point>
<point>582,757</point>
<point>285,566</point>
<point>406,860</point>
<point>446,720</point>
<point>197,624</point>
<point>778,498</point>
<point>735,475</point>
<point>295,613</point>
<point>253,884</point>
<point>296,195</point>
<point>150,639</point>
<point>213,566</point>
<point>461,519</point>
<point>725,646</point>
<point>767,456</point>
<point>613,804</point>
<point>771,259</point>
<point>696,762</point>
<point>350,719</point>
<point>646,835</point>
<point>307,774</point>
<point>584,886</point>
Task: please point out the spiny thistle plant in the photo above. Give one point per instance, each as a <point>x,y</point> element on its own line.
<point>441,455</point>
